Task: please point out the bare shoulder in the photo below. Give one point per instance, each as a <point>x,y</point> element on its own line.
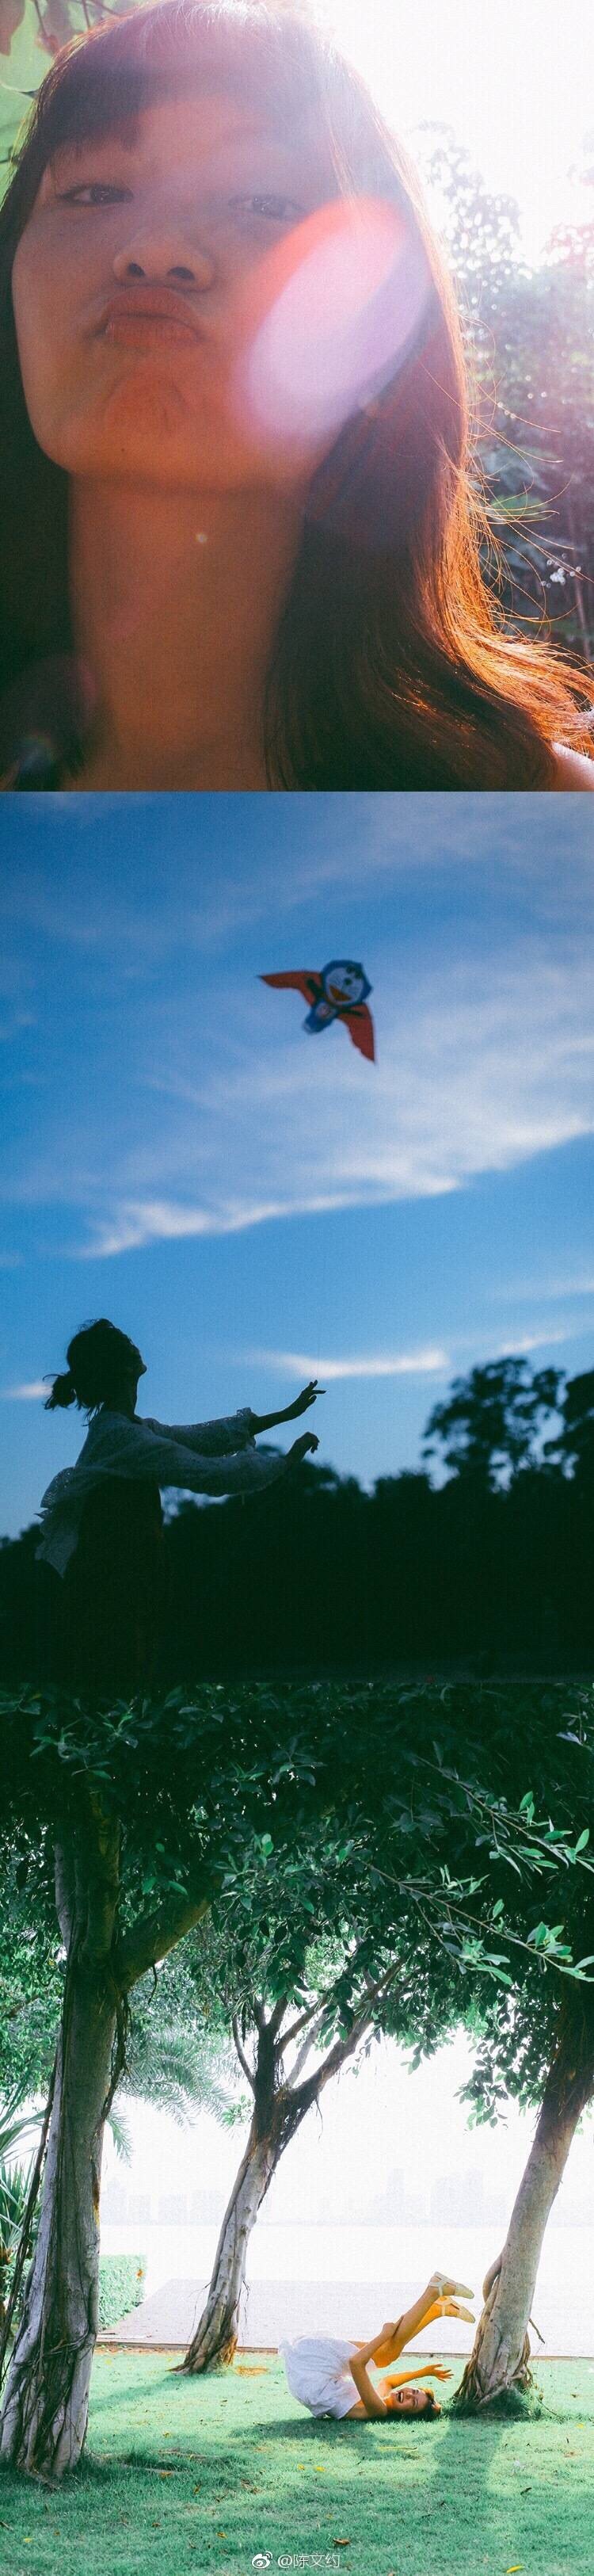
<point>574,769</point>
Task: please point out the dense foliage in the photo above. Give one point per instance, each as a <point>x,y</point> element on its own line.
<point>530,342</point>
<point>492,1565</point>
<point>387,1798</point>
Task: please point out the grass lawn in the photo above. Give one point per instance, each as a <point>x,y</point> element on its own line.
<point>189,2477</point>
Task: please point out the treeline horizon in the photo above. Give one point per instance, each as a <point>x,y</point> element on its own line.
<point>489,1566</point>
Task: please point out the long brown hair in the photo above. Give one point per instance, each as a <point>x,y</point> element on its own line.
<point>391,668</point>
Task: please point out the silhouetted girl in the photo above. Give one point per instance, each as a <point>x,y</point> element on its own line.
<point>102,1519</point>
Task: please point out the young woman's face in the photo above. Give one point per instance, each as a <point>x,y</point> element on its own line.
<point>409,2401</point>
<point>149,263</point>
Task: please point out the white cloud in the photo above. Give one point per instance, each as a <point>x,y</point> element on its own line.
<point>520,1344</point>
<point>250,1124</point>
<point>138,1224</point>
<point>424,1363</point>
<point>24,1394</point>
<point>229,1118</point>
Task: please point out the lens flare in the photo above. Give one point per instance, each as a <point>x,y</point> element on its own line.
<point>342,303</point>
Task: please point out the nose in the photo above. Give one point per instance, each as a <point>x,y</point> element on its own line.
<point>165,258</point>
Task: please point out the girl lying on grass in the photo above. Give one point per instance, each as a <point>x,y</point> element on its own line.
<point>322,2373</point>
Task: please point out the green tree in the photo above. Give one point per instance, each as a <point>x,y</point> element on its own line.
<point>562,2089</point>
<point>301,2009</point>
<point>529,335</point>
<point>149,1814</point>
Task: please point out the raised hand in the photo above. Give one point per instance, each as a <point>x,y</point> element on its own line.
<point>309,1395</point>
<point>299,1448</point>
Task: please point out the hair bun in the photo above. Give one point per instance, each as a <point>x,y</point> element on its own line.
<point>63,1392</point>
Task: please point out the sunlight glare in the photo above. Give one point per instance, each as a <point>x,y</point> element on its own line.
<point>512,81</point>
<point>350,298</point>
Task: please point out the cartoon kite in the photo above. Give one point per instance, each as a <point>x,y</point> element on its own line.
<point>338,993</point>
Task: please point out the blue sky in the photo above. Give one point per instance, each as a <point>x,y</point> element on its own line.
<point>255,1206</point>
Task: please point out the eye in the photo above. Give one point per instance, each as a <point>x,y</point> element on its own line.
<point>277,210</point>
<point>94,192</point>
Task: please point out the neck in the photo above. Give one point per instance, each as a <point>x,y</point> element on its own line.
<point>176,602</point>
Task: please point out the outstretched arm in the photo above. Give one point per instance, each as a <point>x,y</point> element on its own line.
<point>309,1395</point>
<point>219,1439</point>
<point>236,1430</point>
<point>424,2370</point>
<point>146,1452</point>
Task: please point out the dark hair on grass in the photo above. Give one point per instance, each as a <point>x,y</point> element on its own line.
<point>392,667</point>
<point>417,2414</point>
<point>100,1359</point>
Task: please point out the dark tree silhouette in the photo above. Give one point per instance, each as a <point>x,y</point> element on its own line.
<point>488,1426</point>
<point>574,1446</point>
<point>488,1569</point>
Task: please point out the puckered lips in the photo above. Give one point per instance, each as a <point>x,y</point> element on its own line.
<point>141,316</point>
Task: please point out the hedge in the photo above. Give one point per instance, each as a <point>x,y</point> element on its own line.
<point>121,2286</point>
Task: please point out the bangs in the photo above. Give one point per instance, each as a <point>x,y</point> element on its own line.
<point>103,83</point>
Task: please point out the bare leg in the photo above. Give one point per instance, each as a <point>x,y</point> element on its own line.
<point>423,2313</point>
<point>407,2325</point>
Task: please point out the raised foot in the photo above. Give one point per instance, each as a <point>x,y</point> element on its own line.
<point>446,2288</point>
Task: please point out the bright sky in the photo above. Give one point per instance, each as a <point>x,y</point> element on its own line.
<point>514,78</point>
<point>378,2124</point>
<point>254,1205</point>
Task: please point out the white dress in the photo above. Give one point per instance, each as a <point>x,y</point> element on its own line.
<point>201,1457</point>
<point>318,2374</point>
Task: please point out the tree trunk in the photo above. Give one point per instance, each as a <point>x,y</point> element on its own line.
<point>500,2358</point>
<point>44,2417</point>
<point>279,2108</point>
<point>215,2338</point>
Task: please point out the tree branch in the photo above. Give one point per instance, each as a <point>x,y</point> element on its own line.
<point>303,2052</point>
<point>305,2094</point>
<point>155,1933</point>
<point>241,2053</point>
<point>312,2009</point>
<point>316,2009</point>
<point>302,2022</point>
<point>277,2018</point>
<point>341,2048</point>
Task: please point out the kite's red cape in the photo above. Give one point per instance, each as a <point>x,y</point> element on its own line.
<point>356,1016</point>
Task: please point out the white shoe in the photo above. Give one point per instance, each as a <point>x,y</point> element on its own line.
<point>444,2287</point>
